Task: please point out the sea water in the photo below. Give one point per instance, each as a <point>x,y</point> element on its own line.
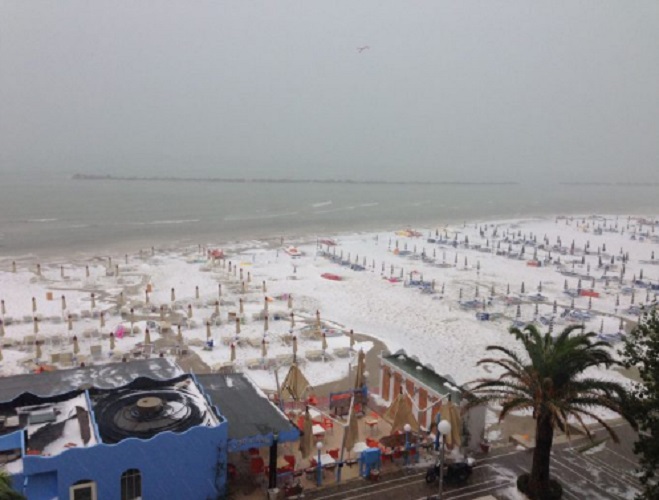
<point>50,214</point>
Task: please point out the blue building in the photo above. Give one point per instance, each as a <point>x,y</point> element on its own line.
<point>138,430</point>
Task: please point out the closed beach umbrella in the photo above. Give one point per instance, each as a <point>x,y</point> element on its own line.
<point>536,309</point>
<point>508,289</point>
<point>61,271</point>
<point>460,294</point>
<point>2,329</point>
<point>242,287</point>
<point>35,323</point>
<point>306,440</point>
<point>76,347</point>
<point>208,330</point>
<point>519,311</point>
<point>633,295</point>
<point>63,303</point>
<point>219,290</point>
<point>233,352</point>
<point>173,295</point>
<point>121,298</point>
<point>265,288</point>
<point>147,336</point>
<point>162,313</point>
<point>555,307</point>
<point>241,274</point>
<point>601,326</point>
<point>359,375</point>
<point>249,277</point>
<point>116,270</point>
<point>292,321</point>
<point>352,432</point>
<point>0,354</point>
<point>37,349</point>
<point>102,318</point>
<point>93,300</point>
<point>265,323</point>
<point>237,326</point>
<point>189,311</point>
<point>290,301</point>
<point>217,307</point>
<point>34,304</point>
<point>540,287</point>
<point>324,345</point>
<point>111,341</point>
<point>241,306</point>
<point>70,320</point>
<point>621,326</point>
<point>264,349</point>
<point>196,292</point>
<point>87,271</point>
<point>294,349</point>
<point>265,305</point>
<point>590,302</point>
<point>522,288</point>
<point>13,264</point>
<point>146,296</point>
<point>4,311</point>
<point>38,269</point>
<point>179,334</point>
<point>352,339</point>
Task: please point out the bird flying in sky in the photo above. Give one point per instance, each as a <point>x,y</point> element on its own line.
<point>362,49</point>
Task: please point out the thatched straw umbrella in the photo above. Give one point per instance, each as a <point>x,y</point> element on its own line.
<point>76,347</point>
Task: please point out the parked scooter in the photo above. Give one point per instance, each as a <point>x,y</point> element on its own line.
<point>454,472</point>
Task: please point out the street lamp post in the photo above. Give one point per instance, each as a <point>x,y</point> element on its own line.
<point>319,480</point>
<point>407,428</point>
<point>444,428</point>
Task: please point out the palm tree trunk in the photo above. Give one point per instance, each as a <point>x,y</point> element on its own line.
<point>544,435</point>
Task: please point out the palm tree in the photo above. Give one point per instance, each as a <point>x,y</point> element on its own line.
<point>6,491</point>
<point>549,381</point>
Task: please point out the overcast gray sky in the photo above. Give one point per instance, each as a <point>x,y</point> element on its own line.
<point>447,90</point>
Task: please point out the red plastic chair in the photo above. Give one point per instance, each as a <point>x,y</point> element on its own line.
<point>312,400</point>
<point>327,424</point>
<point>257,466</point>
<point>290,459</point>
<point>372,443</point>
<point>334,453</point>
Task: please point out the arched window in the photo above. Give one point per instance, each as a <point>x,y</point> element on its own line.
<point>131,485</point>
<point>83,490</point>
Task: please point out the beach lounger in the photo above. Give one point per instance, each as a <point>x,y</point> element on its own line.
<point>284,359</point>
<point>341,352</point>
<point>66,359</point>
<point>254,341</point>
<point>314,355</point>
<point>96,351</point>
<point>55,358</point>
<point>253,364</point>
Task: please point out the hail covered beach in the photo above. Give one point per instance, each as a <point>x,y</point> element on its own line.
<point>441,287</point>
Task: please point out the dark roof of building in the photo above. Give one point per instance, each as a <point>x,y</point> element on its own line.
<point>50,384</point>
<point>246,408</point>
<point>425,374</point>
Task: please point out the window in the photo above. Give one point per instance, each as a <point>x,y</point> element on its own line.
<point>83,490</point>
<point>131,485</point>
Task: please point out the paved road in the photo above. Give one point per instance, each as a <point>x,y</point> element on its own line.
<point>605,473</point>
